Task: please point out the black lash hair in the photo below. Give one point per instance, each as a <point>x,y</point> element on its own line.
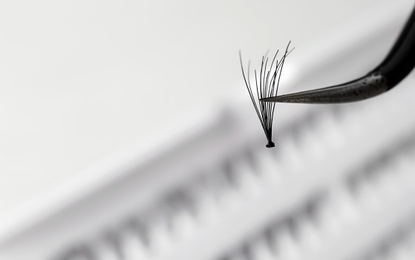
<point>266,85</point>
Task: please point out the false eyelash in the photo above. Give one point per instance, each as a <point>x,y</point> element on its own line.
<point>265,86</point>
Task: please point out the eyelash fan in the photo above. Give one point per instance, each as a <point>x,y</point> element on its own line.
<point>266,84</point>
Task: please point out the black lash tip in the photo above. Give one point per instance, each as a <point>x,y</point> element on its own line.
<point>270,144</point>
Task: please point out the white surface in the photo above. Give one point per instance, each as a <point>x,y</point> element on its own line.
<point>79,79</point>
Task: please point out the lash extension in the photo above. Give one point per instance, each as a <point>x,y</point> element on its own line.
<point>266,85</point>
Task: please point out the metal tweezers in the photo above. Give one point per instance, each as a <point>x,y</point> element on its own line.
<point>393,69</point>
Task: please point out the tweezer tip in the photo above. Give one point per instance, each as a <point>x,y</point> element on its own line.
<point>366,87</point>
<point>280,99</point>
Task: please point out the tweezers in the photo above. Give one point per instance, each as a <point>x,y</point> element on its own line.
<point>393,69</point>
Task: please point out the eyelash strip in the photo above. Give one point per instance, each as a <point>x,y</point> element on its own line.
<point>266,84</point>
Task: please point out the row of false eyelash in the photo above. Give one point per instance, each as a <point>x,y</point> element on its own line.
<point>184,201</point>
<point>357,185</point>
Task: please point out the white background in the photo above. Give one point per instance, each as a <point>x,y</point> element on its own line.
<point>79,79</point>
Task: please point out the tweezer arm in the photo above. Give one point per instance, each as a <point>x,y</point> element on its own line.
<point>394,68</point>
